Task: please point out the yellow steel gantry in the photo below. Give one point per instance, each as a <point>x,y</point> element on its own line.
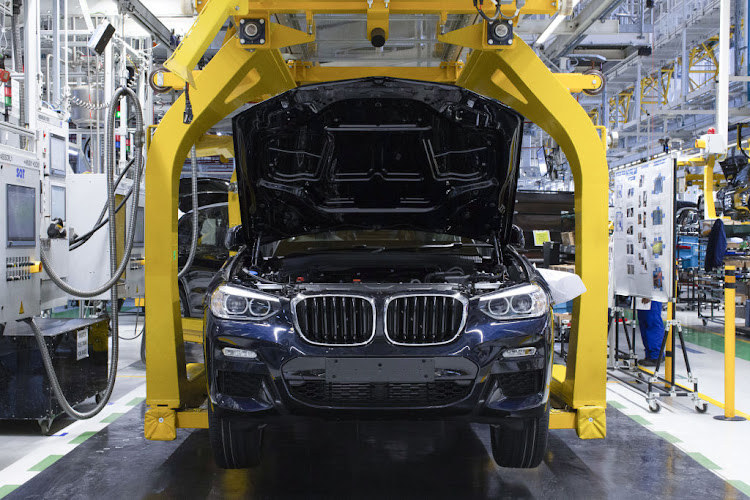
<point>237,75</point>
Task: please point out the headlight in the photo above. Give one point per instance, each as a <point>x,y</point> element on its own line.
<point>520,302</point>
<point>232,302</point>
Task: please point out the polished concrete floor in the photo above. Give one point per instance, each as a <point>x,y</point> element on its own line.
<point>378,461</point>
<point>676,453</point>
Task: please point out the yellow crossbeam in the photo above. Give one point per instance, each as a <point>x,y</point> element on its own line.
<point>446,7</point>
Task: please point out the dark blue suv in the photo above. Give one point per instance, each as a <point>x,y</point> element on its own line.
<point>375,275</point>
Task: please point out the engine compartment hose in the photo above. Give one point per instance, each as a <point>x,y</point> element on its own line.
<point>194,192</point>
<point>130,237</point>
<point>115,269</point>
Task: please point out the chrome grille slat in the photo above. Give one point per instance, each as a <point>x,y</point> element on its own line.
<point>335,319</point>
<point>424,319</point>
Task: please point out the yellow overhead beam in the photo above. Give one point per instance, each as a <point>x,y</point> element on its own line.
<point>440,7</point>
<point>214,14</point>
<point>305,73</point>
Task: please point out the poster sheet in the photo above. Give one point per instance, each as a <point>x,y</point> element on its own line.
<point>643,246</point>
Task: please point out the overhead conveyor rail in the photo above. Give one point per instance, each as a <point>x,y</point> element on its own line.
<point>256,70</point>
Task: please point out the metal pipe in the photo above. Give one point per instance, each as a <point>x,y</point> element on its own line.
<point>49,87</point>
<point>722,93</point>
<point>18,61</point>
<point>637,96</point>
<point>66,44</point>
<point>685,87</point>
<point>56,80</point>
<point>31,63</point>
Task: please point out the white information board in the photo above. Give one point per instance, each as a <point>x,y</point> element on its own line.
<point>643,246</point>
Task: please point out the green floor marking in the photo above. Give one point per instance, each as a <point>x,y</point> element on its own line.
<point>112,418</point>
<point>741,485</point>
<point>640,419</point>
<point>715,342</point>
<point>9,488</point>
<point>615,404</point>
<point>83,437</point>
<point>135,401</point>
<point>45,463</point>
<point>672,439</point>
<point>705,462</point>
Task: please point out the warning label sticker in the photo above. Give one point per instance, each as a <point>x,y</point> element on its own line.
<point>83,345</point>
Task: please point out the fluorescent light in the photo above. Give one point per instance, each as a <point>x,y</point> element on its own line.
<point>551,27</point>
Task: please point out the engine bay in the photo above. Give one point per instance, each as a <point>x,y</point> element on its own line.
<point>471,273</point>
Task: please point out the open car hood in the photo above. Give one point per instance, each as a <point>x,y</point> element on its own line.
<point>377,153</point>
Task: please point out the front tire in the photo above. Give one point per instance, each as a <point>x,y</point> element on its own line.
<point>236,444</point>
<point>520,443</point>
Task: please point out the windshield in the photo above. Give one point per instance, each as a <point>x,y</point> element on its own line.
<point>376,241</point>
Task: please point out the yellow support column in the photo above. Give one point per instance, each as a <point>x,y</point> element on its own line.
<point>520,79</point>
<point>709,208</point>
<point>729,346</point>
<point>232,78</point>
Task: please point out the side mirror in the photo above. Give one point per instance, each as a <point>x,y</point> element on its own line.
<point>234,238</point>
<point>516,237</point>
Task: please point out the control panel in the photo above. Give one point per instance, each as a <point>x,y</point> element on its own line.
<point>19,249</point>
<point>53,230</point>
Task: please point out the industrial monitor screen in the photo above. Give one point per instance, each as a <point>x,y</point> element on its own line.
<point>57,202</point>
<point>140,234</point>
<point>21,201</point>
<point>58,155</point>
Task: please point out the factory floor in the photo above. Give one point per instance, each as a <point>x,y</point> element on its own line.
<point>671,454</point>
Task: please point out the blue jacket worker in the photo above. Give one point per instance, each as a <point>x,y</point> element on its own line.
<point>652,329</point>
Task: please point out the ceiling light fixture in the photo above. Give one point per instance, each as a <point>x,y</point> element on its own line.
<point>552,26</point>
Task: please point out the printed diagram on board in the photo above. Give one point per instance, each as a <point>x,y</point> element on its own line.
<point>644,229</point>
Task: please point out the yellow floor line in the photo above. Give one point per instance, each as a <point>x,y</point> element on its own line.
<point>704,397</point>
<point>721,405</point>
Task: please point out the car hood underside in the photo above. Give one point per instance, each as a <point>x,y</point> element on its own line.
<point>377,153</point>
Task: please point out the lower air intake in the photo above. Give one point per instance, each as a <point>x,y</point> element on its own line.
<point>380,395</point>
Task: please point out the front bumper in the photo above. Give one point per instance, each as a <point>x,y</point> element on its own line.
<point>466,379</point>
